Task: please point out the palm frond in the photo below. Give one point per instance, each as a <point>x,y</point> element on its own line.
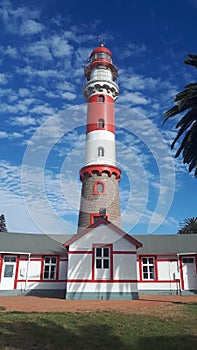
<point>180,132</point>
<point>186,101</point>
<point>187,119</point>
<point>192,61</point>
<point>170,113</point>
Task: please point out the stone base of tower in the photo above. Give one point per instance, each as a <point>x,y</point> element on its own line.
<point>99,198</point>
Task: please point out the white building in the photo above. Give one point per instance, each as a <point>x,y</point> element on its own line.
<point>102,262</point>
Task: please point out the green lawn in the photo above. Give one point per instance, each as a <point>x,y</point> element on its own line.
<point>99,330</point>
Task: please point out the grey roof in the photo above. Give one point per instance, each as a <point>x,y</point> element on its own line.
<point>30,243</point>
<point>53,243</point>
<point>167,243</point>
<point>61,238</point>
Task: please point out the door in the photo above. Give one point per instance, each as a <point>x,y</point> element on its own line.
<point>189,273</point>
<point>8,273</point>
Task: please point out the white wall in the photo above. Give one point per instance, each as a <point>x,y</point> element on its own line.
<point>80,264</point>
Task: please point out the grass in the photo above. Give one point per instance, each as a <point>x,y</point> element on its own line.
<point>100,330</point>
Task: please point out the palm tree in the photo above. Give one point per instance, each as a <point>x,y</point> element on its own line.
<point>3,227</point>
<point>189,226</point>
<point>186,101</point>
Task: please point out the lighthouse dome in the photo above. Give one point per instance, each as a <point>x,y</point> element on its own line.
<point>101,53</point>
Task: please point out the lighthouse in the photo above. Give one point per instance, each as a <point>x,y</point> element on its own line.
<point>100,174</point>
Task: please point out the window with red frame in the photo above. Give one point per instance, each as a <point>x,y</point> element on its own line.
<point>99,187</point>
<point>148,268</point>
<point>50,267</point>
<point>94,218</point>
<point>102,256</point>
<point>102,262</point>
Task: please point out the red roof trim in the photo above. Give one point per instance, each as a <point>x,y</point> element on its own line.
<point>105,222</point>
<point>111,169</point>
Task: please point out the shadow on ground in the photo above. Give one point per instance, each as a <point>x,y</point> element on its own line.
<point>38,333</point>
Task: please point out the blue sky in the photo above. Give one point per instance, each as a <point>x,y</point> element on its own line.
<point>43,48</point>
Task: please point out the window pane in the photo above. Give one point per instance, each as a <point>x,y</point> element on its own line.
<point>105,252</point>
<point>99,252</point>
<point>53,272</point>
<point>100,187</point>
<point>47,260</point>
<point>151,261</point>
<point>100,152</point>
<point>106,263</point>
<point>151,275</point>
<point>101,123</point>
<point>8,271</point>
<point>151,268</point>
<point>46,268</point>
<point>96,219</point>
<point>98,263</point>
<point>10,259</point>
<point>46,274</point>
<point>145,268</point>
<point>53,260</point>
<point>188,260</point>
<point>144,260</point>
<point>145,275</point>
<point>101,98</point>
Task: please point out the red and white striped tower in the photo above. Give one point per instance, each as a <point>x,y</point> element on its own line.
<point>100,175</point>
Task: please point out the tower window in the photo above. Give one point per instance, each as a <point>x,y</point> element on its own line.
<point>95,217</point>
<point>100,151</point>
<point>102,211</point>
<point>99,187</point>
<point>101,123</point>
<point>101,99</point>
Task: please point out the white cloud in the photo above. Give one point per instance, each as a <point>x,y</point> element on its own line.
<point>3,134</point>
<point>9,51</point>
<point>68,96</point>
<point>38,49</point>
<point>30,27</point>
<point>3,78</point>
<point>49,48</point>
<point>23,121</point>
<point>60,47</point>
<point>65,86</point>
<point>134,98</point>
<point>23,92</point>
<point>20,20</point>
<point>43,109</point>
<point>138,82</point>
<point>16,135</point>
<point>48,202</point>
<point>42,73</point>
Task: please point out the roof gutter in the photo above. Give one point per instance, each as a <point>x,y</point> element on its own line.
<point>186,253</point>
<point>14,253</point>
